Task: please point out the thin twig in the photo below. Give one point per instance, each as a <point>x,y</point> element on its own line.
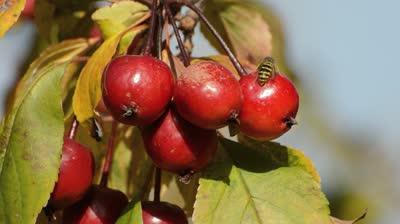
<point>160,30</point>
<point>80,59</point>
<point>228,51</point>
<point>150,38</point>
<point>109,155</point>
<point>168,48</point>
<point>185,56</point>
<point>157,184</point>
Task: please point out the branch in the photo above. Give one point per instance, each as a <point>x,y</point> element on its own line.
<point>239,68</point>
<point>157,185</point>
<point>186,59</point>
<point>153,23</point>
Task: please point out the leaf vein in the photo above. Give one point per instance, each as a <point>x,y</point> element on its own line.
<point>218,202</point>
<point>246,187</point>
<point>18,181</point>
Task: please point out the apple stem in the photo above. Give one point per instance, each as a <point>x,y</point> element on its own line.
<point>159,30</point>
<point>157,172</point>
<point>185,56</point>
<point>73,129</point>
<point>239,68</point>
<point>157,184</point>
<point>150,38</point>
<point>109,155</point>
<point>168,49</point>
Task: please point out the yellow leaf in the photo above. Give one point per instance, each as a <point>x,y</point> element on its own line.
<point>118,16</point>
<point>9,13</point>
<point>129,37</point>
<point>88,88</point>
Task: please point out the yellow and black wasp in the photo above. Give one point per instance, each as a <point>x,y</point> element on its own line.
<point>266,70</point>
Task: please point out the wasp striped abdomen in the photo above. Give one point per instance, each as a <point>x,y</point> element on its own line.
<point>265,70</point>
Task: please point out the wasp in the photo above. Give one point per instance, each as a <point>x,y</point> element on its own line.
<point>265,70</point>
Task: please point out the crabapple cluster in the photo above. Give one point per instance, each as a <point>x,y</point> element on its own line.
<point>178,118</point>
<point>178,121</point>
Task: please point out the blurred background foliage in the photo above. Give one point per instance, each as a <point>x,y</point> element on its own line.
<point>347,115</point>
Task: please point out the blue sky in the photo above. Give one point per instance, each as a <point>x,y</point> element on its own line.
<point>347,51</point>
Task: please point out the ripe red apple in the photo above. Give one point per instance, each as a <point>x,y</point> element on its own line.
<point>162,213</point>
<point>207,95</point>
<point>177,146</point>
<point>101,205</point>
<point>137,89</point>
<point>268,111</point>
<point>75,176</point>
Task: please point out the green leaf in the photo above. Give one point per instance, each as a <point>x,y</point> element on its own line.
<point>32,141</point>
<point>120,170</point>
<point>9,14</point>
<point>132,214</point>
<point>294,157</point>
<point>88,88</point>
<point>141,167</point>
<point>59,53</point>
<point>54,55</point>
<point>1,126</point>
<point>259,186</point>
<point>178,193</point>
<point>45,20</point>
<point>242,25</point>
<point>131,166</point>
<point>63,19</point>
<point>116,18</point>
<point>68,83</point>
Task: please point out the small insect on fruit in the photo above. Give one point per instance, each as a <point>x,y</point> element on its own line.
<point>265,70</point>
<point>268,109</point>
